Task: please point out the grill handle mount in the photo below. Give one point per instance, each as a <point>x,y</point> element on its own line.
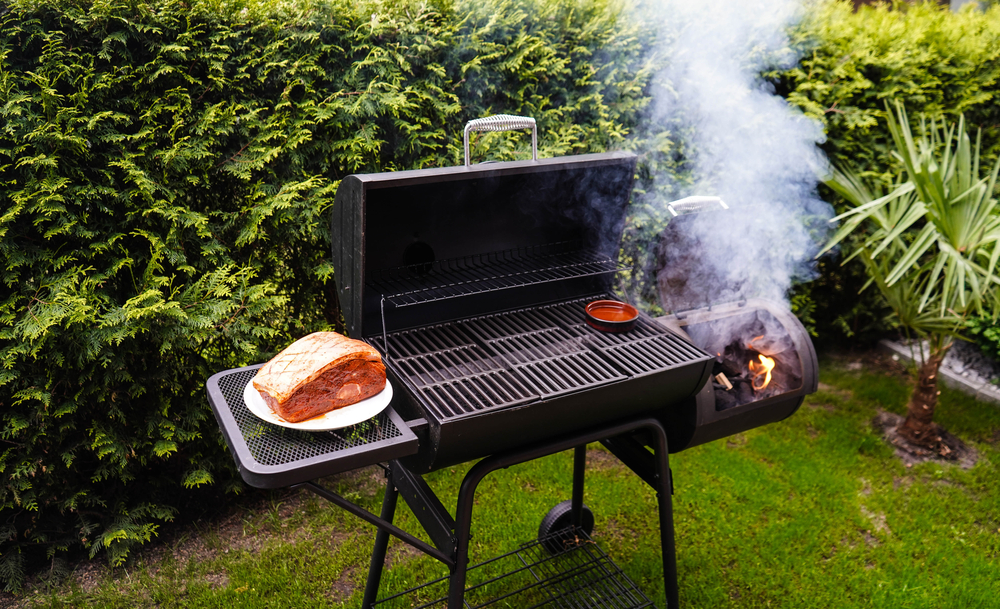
<point>502,122</point>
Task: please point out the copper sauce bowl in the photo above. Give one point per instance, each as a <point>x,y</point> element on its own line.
<point>611,316</point>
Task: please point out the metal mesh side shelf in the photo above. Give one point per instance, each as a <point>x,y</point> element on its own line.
<point>580,576</point>
<point>269,456</point>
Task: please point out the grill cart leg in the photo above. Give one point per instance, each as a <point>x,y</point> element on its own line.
<point>381,545</point>
<point>654,469</point>
<point>664,497</point>
<point>618,437</point>
<point>385,528</point>
<point>579,469</point>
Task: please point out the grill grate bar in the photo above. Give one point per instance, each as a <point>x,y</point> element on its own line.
<point>448,365</point>
<point>544,344</point>
<point>506,325</point>
<point>555,376</point>
<point>646,356</point>
<point>475,394</point>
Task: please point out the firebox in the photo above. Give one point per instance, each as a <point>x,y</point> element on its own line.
<point>765,363</point>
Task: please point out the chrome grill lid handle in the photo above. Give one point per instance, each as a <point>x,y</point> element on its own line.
<point>502,122</point>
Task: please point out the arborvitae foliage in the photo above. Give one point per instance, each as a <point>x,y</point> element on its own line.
<point>932,60</point>
<point>167,171</point>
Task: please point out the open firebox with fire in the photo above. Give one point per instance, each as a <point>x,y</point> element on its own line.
<point>489,291</point>
<point>764,362</point>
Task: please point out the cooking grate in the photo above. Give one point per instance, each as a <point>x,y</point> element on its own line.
<point>581,576</point>
<point>272,445</point>
<point>495,271</point>
<point>507,359</point>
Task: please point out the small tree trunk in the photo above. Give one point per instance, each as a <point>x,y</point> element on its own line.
<point>919,427</point>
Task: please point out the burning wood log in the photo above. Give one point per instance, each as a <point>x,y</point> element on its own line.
<point>724,381</point>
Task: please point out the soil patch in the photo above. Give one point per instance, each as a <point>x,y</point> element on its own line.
<point>344,587</point>
<point>879,361</point>
<point>959,453</point>
<point>601,459</point>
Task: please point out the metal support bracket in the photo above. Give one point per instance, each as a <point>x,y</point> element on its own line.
<point>426,506</point>
<point>381,524</point>
<point>637,458</point>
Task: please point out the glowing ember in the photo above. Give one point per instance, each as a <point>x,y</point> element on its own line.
<point>761,373</point>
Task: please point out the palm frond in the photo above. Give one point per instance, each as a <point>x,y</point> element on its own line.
<point>932,244</point>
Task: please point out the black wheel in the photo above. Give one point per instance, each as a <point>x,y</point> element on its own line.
<point>558,519</point>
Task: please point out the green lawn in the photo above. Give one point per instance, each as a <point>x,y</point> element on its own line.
<point>812,512</point>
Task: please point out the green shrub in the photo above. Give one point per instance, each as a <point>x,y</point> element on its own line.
<point>167,171</point>
<point>986,333</point>
<point>934,61</point>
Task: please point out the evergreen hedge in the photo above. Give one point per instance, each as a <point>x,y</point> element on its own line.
<point>167,170</point>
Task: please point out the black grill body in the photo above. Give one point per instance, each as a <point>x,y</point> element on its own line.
<point>472,282</point>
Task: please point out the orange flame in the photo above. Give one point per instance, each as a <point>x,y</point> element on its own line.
<point>761,373</point>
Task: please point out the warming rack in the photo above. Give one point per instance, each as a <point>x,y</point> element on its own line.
<point>491,272</point>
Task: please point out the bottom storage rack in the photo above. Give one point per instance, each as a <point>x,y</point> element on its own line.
<point>563,570</point>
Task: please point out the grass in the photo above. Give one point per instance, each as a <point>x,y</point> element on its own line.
<point>815,511</point>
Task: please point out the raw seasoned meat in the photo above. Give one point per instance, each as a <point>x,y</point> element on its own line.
<point>319,373</point>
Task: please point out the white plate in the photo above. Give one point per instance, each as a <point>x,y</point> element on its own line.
<point>335,419</point>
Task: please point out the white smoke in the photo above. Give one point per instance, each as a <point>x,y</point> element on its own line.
<point>747,145</point>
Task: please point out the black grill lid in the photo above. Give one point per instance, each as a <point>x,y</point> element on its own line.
<point>457,236</point>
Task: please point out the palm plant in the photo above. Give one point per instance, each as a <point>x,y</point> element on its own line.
<point>930,245</point>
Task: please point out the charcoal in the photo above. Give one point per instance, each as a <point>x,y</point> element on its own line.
<point>744,392</point>
<point>717,365</point>
<point>731,369</point>
<point>732,362</point>
<point>725,400</point>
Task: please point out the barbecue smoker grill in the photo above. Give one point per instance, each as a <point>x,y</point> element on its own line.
<point>471,282</point>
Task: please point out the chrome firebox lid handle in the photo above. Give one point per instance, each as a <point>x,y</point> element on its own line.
<point>502,122</point>
<point>692,205</point>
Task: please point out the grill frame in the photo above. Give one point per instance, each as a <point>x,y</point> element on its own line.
<point>624,410</point>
